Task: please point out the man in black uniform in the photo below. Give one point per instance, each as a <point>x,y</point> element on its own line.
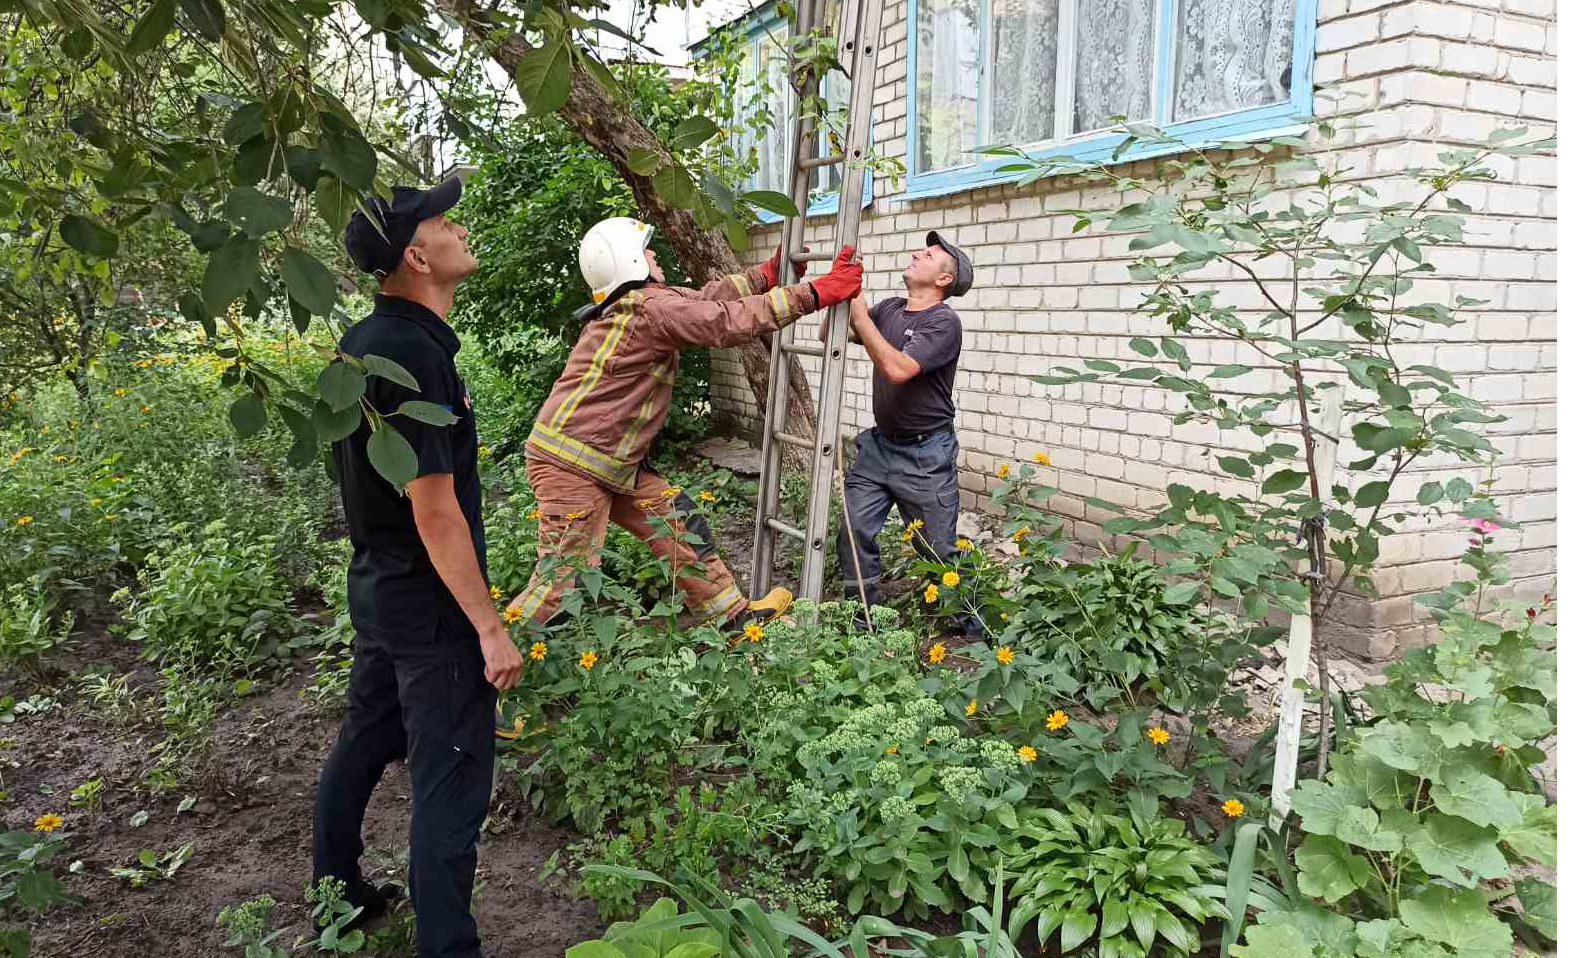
<point>909,458</point>
<point>430,650</point>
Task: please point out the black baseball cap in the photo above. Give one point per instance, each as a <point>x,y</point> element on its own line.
<point>962,277</point>
<point>399,218</point>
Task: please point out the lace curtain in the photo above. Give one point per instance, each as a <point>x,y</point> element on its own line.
<point>1231,55</point>
<point>1023,70</point>
<point>948,82</point>
<point>1116,62</point>
<point>773,148</point>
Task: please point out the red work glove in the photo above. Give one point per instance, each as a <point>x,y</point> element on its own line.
<point>843,280</point>
<point>771,268</point>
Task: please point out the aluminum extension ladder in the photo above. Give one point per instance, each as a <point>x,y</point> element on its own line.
<point>857,50</point>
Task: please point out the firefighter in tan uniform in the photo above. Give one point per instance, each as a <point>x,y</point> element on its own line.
<point>586,454</point>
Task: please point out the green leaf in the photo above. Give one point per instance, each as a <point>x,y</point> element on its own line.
<point>1321,804</point>
<point>1430,493</point>
<point>544,78</point>
<point>308,281</point>
<point>1142,346</point>
<point>1540,905</point>
<point>341,386</point>
<point>1473,795</point>
<point>89,237</point>
<point>1328,869</point>
<point>1180,592</point>
<point>392,457</point>
<point>345,154</point>
<point>736,235</point>
<point>595,949</point>
<point>1405,747</point>
<point>644,161</point>
<point>770,200</point>
<point>693,132</point>
<point>1536,837</point>
<point>1236,466</point>
<point>1372,494</point>
<point>377,365</point>
<point>1361,826</point>
<point>1141,914</point>
<point>1459,919</point>
<point>257,213</point>
<point>1455,849</point>
<point>305,439</point>
<point>303,165</point>
<point>247,416</point>
<point>1229,372</point>
<point>1273,941</point>
<point>231,270</point>
<point>1283,481</point>
<point>152,27</point>
<point>208,17</point>
<point>673,185</point>
<point>1458,489</point>
<point>427,412</point>
<point>335,203</point>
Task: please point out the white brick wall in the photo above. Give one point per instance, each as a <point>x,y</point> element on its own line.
<point>1425,74</point>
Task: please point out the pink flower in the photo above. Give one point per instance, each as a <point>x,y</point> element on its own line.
<point>1485,526</point>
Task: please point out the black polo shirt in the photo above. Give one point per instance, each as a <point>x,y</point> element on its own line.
<point>392,588</point>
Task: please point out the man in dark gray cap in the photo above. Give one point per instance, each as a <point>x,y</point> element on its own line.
<point>430,651</point>
<point>909,458</point>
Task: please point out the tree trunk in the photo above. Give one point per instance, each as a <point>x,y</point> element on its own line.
<point>612,130</point>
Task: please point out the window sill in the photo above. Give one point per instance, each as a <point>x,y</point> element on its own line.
<point>826,206</point>
<point>1265,123</point>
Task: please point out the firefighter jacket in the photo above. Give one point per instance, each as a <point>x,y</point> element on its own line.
<point>613,396</point>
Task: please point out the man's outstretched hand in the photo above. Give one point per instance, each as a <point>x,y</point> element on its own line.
<point>772,268</point>
<point>843,281</point>
<point>503,664</point>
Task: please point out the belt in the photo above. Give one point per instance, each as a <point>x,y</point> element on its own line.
<point>912,439</point>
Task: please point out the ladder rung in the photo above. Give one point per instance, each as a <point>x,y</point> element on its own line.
<point>795,440</point>
<point>804,349</point>
<point>816,256</point>
<point>785,529</point>
<point>814,163</point>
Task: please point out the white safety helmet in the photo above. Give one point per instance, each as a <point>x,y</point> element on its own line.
<point>612,253</point>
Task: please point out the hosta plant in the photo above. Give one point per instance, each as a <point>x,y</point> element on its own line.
<point>1133,884</point>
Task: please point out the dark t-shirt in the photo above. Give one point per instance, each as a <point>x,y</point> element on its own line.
<point>392,587</point>
<point>933,337</point>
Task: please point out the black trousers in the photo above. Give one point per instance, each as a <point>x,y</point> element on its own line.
<point>421,696</point>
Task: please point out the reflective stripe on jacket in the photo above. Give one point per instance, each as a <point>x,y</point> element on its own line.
<point>612,398</point>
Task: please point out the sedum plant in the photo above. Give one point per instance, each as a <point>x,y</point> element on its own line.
<point>1133,885</point>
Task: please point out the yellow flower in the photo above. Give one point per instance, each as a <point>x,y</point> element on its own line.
<point>672,491</point>
<point>973,707</point>
<point>1018,535</point>
<point>535,514</point>
<point>1158,735</point>
<point>537,652</point>
<point>120,392</point>
<point>587,659</point>
<point>62,459</point>
<point>892,750</point>
<point>1004,655</point>
<point>1042,459</point>
<point>147,408</point>
<point>1056,721</point>
<point>1027,753</point>
<point>937,653</point>
<point>1005,617</point>
<point>495,592</point>
<point>706,496</point>
<point>1232,808</point>
<point>950,580</point>
<point>44,429</point>
<point>512,614</point>
<point>907,535</point>
<point>1004,471</point>
<point>931,593</point>
<point>754,632</point>
<point>577,515</point>
<point>964,544</point>
<point>484,452</point>
<point>48,822</point>
<point>95,501</point>
<point>915,525</point>
<point>24,520</point>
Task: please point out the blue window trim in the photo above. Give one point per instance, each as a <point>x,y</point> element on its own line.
<point>758,22</point>
<point>1258,122</point>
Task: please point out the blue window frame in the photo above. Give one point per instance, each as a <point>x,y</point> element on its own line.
<point>1202,70</point>
<point>765,35</point>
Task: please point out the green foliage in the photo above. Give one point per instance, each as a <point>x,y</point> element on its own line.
<point>215,602</point>
<point>1436,796</point>
<point>152,866</point>
<point>331,914</point>
<point>29,624</point>
<point>1128,883</point>
<point>26,879</point>
<point>248,924</point>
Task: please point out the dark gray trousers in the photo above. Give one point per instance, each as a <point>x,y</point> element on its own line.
<point>920,479</point>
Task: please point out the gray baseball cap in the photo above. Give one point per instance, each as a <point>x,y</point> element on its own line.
<point>962,278</point>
